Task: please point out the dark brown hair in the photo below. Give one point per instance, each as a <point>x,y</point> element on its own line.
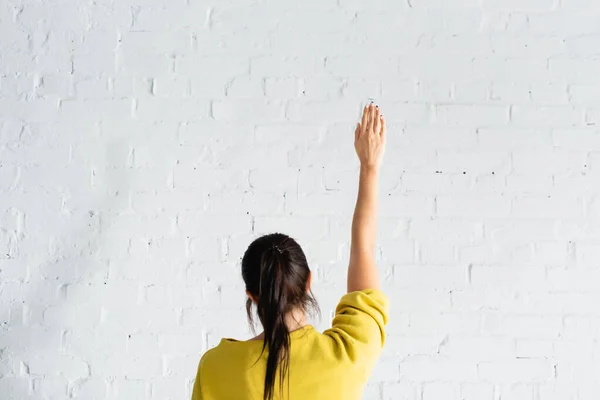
<point>276,274</point>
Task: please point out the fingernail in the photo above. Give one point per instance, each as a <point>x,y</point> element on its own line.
<point>376,106</point>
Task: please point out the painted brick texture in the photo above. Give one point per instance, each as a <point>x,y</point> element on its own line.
<point>145,143</point>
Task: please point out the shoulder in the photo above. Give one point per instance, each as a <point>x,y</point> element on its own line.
<point>209,356</point>
<point>358,327</point>
<point>200,373</point>
<point>207,360</point>
<point>373,302</point>
<point>357,333</point>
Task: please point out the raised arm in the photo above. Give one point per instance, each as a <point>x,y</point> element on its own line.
<point>369,143</point>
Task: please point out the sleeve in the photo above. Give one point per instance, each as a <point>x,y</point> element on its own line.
<point>358,327</point>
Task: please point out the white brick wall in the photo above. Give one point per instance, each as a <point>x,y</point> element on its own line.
<point>145,143</point>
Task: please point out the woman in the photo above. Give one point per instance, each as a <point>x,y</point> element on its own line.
<point>290,359</point>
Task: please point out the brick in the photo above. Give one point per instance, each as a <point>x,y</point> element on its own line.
<point>245,87</point>
<point>552,253</point>
<point>415,300</point>
<point>517,370</point>
<point>285,66</point>
<point>195,65</point>
<point>328,203</point>
<point>434,390</point>
<point>522,71</point>
<point>574,70</point>
<point>170,110</point>
<point>523,6</point>
<point>527,326</point>
<point>430,277</point>
<point>470,163</point>
<point>549,94</point>
<point>407,345</point>
<point>477,91</point>
<point>354,65</point>
<point>526,45</point>
<point>283,88</point>
<point>429,252</point>
<point>583,94</point>
<point>458,68</point>
<point>433,368</point>
<point>530,348</point>
<point>542,116</point>
<point>173,17</point>
<point>456,44</point>
<point>400,391</point>
<point>444,229</point>
<point>522,278</point>
<point>547,207</point>
<point>321,111</point>
<point>437,91</point>
<point>477,116</point>
<point>517,391</point>
<point>361,88</point>
<point>503,231</point>
<point>206,87</point>
<point>528,183</point>
<point>322,87</point>
<point>558,391</point>
<point>510,93</point>
<point>496,206</point>
<point>505,22</point>
<point>476,391</point>
<point>247,110</point>
<point>147,64</point>
<point>407,205</point>
<point>514,138</point>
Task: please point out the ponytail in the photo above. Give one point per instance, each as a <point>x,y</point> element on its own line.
<point>277,276</point>
<point>272,309</point>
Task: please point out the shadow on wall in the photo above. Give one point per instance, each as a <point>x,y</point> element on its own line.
<point>58,272</point>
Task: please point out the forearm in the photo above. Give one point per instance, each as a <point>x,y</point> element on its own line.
<point>362,270</point>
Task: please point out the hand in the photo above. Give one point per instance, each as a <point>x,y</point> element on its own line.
<point>369,137</point>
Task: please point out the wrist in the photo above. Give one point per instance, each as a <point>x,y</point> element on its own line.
<point>369,169</point>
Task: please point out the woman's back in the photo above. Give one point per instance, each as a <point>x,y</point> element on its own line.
<point>292,360</point>
<point>331,365</point>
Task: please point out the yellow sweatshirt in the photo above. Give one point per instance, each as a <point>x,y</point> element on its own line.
<point>331,365</point>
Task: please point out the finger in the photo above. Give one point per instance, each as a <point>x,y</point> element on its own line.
<point>372,117</point>
<point>382,128</point>
<point>377,125</point>
<point>365,117</point>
